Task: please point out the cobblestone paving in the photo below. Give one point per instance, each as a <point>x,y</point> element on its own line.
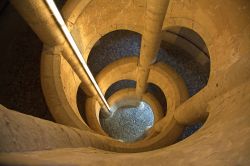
<point>129,124</point>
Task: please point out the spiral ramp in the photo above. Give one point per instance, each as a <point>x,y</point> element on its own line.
<point>215,36</point>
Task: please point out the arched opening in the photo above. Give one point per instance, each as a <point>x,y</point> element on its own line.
<point>159,95</point>
<point>113,46</point>
<point>122,84</point>
<point>185,51</point>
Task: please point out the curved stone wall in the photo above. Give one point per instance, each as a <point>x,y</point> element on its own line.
<point>223,102</point>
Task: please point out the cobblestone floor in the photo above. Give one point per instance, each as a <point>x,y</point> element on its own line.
<point>129,124</point>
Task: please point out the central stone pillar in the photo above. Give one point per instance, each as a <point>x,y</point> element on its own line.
<point>151,39</point>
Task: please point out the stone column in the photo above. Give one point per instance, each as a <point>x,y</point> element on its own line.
<point>151,39</point>
<point>39,17</point>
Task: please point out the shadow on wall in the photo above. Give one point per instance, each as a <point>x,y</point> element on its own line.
<point>20,65</point>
